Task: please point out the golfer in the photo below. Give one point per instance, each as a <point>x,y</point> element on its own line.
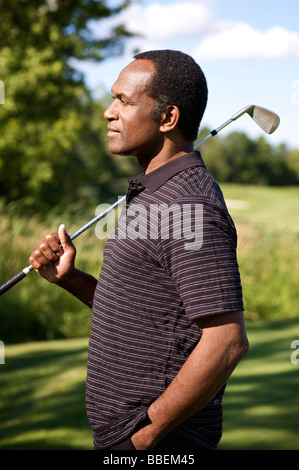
<point>167,326</point>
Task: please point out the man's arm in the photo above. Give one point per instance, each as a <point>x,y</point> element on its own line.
<point>81,285</point>
<point>54,260</point>
<point>223,344</point>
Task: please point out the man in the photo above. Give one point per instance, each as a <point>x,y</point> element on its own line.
<point>167,325</point>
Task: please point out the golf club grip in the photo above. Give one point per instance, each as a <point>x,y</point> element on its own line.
<point>18,277</point>
<point>12,281</point>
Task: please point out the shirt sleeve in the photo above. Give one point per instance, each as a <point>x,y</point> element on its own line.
<point>199,254</point>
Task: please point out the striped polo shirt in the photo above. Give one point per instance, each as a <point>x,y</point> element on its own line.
<point>170,260</point>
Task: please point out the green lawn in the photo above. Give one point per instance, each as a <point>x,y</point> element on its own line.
<point>268,252</point>
<point>267,223</point>
<point>274,209</point>
<point>42,393</point>
<point>261,404</point>
<point>43,385</point>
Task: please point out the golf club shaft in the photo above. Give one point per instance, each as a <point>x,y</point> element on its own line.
<point>233,118</point>
<point>19,276</point>
<point>214,132</point>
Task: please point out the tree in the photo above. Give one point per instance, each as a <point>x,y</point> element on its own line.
<point>293,163</point>
<point>51,143</point>
<point>212,153</point>
<point>236,158</point>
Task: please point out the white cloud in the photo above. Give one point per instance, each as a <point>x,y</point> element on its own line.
<point>166,21</point>
<point>244,42</point>
<point>169,25</point>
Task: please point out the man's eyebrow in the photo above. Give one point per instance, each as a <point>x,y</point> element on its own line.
<point>121,95</point>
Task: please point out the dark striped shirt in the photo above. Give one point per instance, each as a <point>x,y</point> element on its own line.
<point>170,260</point>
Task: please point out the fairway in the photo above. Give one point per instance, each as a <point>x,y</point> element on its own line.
<point>42,396</point>
<point>267,223</point>
<point>261,404</point>
<point>43,386</point>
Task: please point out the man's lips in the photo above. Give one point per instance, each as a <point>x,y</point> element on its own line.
<point>112,131</point>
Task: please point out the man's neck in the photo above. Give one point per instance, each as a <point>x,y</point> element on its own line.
<point>164,157</point>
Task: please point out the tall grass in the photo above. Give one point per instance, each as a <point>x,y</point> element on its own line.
<point>268,230</point>
<point>33,308</point>
<point>42,384</point>
<point>268,248</point>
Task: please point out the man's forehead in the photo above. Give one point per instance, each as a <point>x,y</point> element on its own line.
<point>135,76</point>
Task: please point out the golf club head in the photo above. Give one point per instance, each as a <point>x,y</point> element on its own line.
<point>266,119</point>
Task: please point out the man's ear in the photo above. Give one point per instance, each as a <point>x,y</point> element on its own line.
<point>170,118</point>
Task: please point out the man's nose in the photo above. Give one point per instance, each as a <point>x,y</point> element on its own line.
<point>111,113</point>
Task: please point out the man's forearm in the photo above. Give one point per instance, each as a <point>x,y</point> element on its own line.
<point>81,285</point>
<point>203,374</point>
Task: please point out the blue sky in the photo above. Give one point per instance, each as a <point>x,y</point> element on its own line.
<point>248,50</point>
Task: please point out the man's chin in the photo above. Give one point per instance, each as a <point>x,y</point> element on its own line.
<point>119,151</point>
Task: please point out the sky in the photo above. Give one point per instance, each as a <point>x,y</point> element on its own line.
<point>248,50</point>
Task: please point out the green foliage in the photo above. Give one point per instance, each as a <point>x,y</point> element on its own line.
<point>293,163</point>
<point>63,26</point>
<point>237,158</point>
<point>268,248</point>
<point>35,309</point>
<point>52,147</point>
<point>55,167</point>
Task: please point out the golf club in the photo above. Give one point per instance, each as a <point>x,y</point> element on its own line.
<point>266,119</point>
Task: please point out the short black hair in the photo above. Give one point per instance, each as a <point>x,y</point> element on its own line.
<point>179,81</point>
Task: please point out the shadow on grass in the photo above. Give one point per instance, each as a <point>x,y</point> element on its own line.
<point>42,394</point>
<point>42,397</point>
<point>261,404</point>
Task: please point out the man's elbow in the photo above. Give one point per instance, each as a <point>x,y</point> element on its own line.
<point>240,349</point>
<point>244,348</point>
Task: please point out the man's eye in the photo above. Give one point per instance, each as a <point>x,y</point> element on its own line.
<point>120,98</point>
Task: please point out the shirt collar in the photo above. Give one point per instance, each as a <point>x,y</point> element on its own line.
<point>158,177</point>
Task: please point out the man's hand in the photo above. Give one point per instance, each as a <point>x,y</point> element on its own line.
<point>223,344</point>
<point>54,259</point>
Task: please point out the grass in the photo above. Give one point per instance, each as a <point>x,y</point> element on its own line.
<point>268,253</point>
<point>42,396</point>
<point>42,384</point>
<point>39,309</point>
<point>268,248</point>
<point>261,404</point>
<point>268,207</point>
<point>43,387</point>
